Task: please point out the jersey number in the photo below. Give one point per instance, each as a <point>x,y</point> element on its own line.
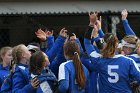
<point>113,74</point>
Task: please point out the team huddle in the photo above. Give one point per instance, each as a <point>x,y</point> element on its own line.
<point>106,66</point>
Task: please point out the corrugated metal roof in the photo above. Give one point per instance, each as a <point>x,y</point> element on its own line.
<point>67,7</point>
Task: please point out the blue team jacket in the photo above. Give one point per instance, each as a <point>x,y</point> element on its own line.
<point>50,42</point>
<point>4,71</point>
<point>55,48</point>
<point>48,81</point>
<point>114,73</point>
<point>21,80</point>
<point>135,57</point>
<point>93,76</point>
<point>67,83</point>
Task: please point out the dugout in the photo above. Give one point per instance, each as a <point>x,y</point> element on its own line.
<point>19,20</point>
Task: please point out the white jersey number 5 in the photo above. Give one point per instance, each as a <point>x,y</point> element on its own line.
<point>114,75</point>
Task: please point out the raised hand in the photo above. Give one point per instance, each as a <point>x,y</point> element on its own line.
<point>49,33</point>
<point>63,32</point>
<point>92,18</point>
<point>73,37</point>
<point>95,31</point>
<point>124,14</point>
<point>99,24</point>
<point>35,82</point>
<point>41,34</point>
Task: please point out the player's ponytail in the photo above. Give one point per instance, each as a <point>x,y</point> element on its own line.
<point>110,45</point>
<point>72,51</point>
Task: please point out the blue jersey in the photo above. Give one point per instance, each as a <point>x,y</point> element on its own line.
<point>54,66</point>
<point>92,88</point>
<point>59,42</point>
<point>67,78</point>
<point>50,42</point>
<point>136,58</point>
<point>4,71</point>
<point>21,80</point>
<point>114,73</point>
<point>44,86</point>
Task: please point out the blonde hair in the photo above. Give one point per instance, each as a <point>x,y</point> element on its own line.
<point>137,47</point>
<point>17,53</point>
<point>138,42</point>
<point>3,51</point>
<point>131,39</point>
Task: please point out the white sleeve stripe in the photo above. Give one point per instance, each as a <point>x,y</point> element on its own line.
<point>134,55</point>
<point>45,87</point>
<point>95,54</point>
<point>118,55</point>
<point>138,64</point>
<point>22,67</point>
<point>61,73</point>
<point>135,64</point>
<point>32,75</point>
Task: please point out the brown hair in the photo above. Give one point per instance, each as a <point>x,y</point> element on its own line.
<point>110,46</point>
<point>36,63</point>
<point>72,51</point>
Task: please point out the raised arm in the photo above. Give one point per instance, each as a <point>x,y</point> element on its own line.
<point>128,29</point>
<point>99,25</point>
<point>87,41</point>
<point>59,42</point>
<point>50,40</point>
<point>46,39</point>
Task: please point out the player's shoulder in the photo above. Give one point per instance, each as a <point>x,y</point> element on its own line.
<point>122,57</point>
